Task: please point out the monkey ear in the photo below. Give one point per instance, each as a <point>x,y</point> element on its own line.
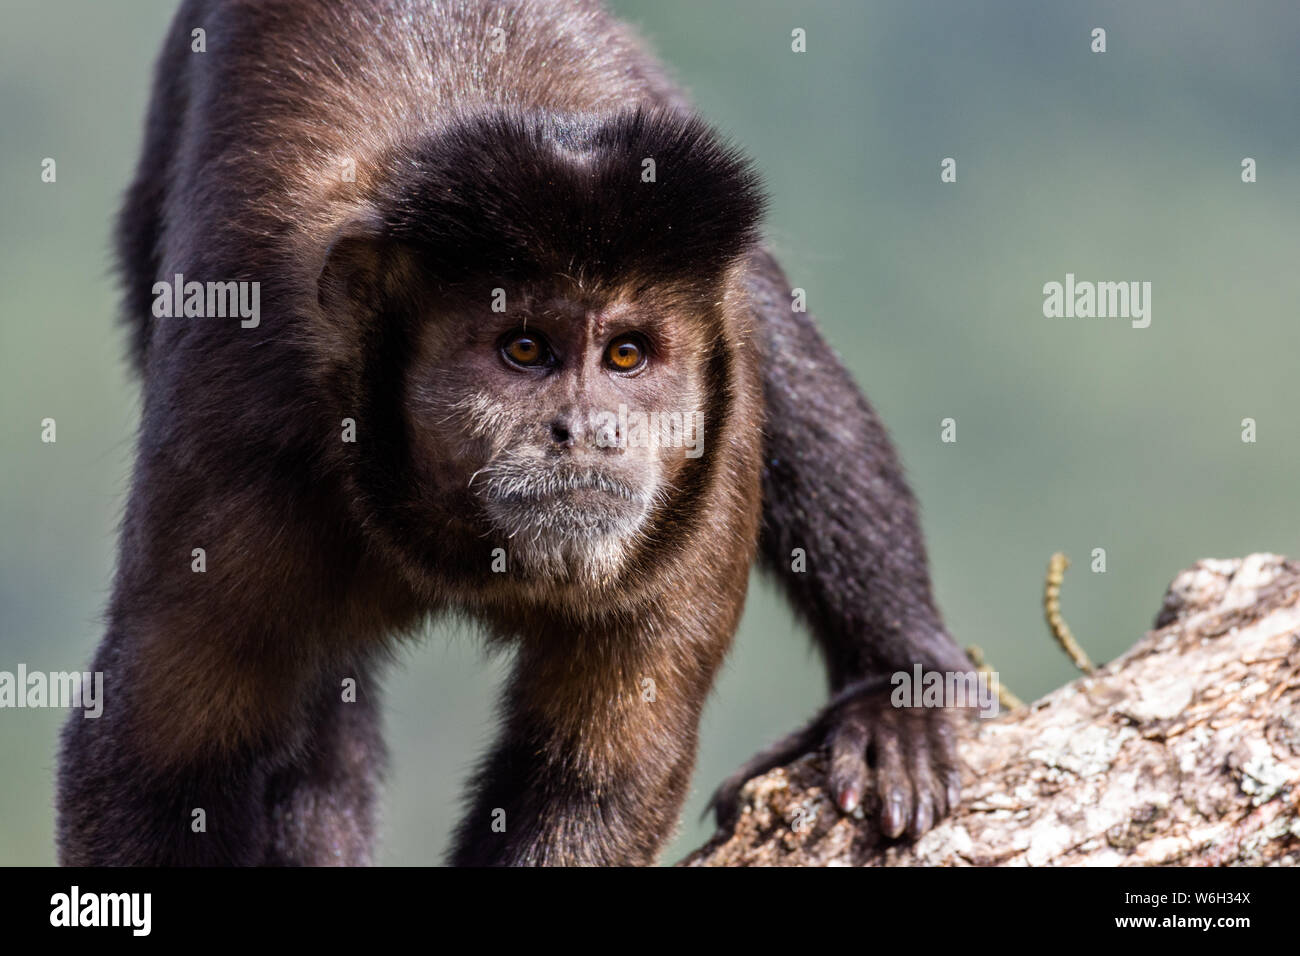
<point>361,268</point>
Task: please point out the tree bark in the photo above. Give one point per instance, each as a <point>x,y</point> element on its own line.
<point>1184,751</point>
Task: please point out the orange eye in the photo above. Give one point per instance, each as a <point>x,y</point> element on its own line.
<point>525,350</point>
<point>624,354</point>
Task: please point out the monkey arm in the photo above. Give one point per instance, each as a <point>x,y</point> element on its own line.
<point>225,737</point>
<point>322,805</point>
<point>842,538</point>
<point>594,756</point>
<point>300,792</point>
<point>833,489</point>
<point>119,805</point>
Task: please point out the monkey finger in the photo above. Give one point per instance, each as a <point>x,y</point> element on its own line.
<point>927,793</point>
<point>943,761</point>
<point>723,802</point>
<point>725,799</point>
<point>849,773</point>
<point>893,784</point>
<point>952,789</point>
<point>924,815</point>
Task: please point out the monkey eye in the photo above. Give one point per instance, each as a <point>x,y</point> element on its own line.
<point>526,350</point>
<point>625,353</point>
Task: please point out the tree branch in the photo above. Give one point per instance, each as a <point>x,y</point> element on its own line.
<point>1184,751</point>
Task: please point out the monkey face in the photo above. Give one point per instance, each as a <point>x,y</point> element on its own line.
<point>565,422</point>
<point>530,317</point>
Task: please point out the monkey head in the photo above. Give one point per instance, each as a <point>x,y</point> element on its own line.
<point>538,307</point>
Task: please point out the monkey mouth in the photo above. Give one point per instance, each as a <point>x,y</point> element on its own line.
<point>567,521</point>
<point>533,486</point>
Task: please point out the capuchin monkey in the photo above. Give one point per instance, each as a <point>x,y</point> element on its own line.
<point>515,352</point>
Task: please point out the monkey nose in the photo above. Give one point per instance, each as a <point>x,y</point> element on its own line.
<point>561,434</point>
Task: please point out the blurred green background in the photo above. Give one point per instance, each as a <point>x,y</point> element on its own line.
<point>1072,433</point>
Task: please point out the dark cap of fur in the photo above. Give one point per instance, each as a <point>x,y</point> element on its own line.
<point>525,196</point>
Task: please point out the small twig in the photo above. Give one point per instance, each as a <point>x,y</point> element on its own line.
<point>1052,606</point>
<point>1005,698</point>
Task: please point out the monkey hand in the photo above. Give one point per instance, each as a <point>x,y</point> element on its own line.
<point>904,758</point>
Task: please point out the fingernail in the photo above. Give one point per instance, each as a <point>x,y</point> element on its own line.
<point>894,815</point>
<point>849,798</point>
